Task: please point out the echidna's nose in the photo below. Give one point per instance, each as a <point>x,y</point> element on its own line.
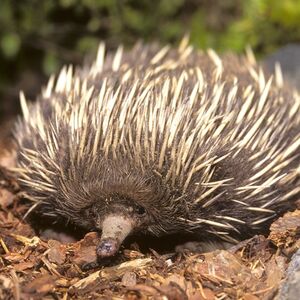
<point>115,228</point>
<point>107,247</point>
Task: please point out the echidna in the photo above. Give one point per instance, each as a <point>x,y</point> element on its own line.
<point>162,140</point>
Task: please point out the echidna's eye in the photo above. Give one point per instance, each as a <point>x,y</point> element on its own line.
<point>140,210</point>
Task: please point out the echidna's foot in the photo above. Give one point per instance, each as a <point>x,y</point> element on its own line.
<point>51,234</point>
<point>201,247</point>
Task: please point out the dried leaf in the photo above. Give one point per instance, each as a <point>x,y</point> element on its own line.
<point>6,198</point>
<point>286,230</point>
<point>129,279</point>
<point>57,252</point>
<point>24,266</point>
<point>41,284</point>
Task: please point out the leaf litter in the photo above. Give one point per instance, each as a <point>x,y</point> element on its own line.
<point>41,267</point>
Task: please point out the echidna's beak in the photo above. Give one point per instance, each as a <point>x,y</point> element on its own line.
<point>115,228</point>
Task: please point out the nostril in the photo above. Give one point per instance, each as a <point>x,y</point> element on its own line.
<point>107,247</point>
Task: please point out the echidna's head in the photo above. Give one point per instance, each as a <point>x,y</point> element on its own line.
<point>111,197</point>
<point>117,216</point>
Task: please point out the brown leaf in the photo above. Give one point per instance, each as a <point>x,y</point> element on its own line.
<point>286,230</point>
<point>13,257</point>
<point>129,279</point>
<point>250,297</point>
<point>85,255</point>
<point>221,266</point>
<point>179,280</point>
<point>274,271</point>
<point>173,291</point>
<point>42,284</point>
<point>144,289</point>
<point>132,254</point>
<point>6,198</point>
<point>7,158</point>
<point>24,266</point>
<point>57,252</point>
<point>6,282</point>
<point>85,249</point>
<point>206,294</point>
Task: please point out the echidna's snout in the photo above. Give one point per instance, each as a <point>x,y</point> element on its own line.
<point>107,247</point>
<point>115,228</point>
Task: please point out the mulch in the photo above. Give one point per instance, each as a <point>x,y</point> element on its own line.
<point>33,266</point>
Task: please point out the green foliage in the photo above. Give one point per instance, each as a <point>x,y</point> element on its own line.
<point>265,25</point>
<point>42,35</point>
<point>286,13</point>
<point>10,44</point>
<point>77,24</point>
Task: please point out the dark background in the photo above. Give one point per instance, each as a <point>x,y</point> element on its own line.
<point>38,36</point>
